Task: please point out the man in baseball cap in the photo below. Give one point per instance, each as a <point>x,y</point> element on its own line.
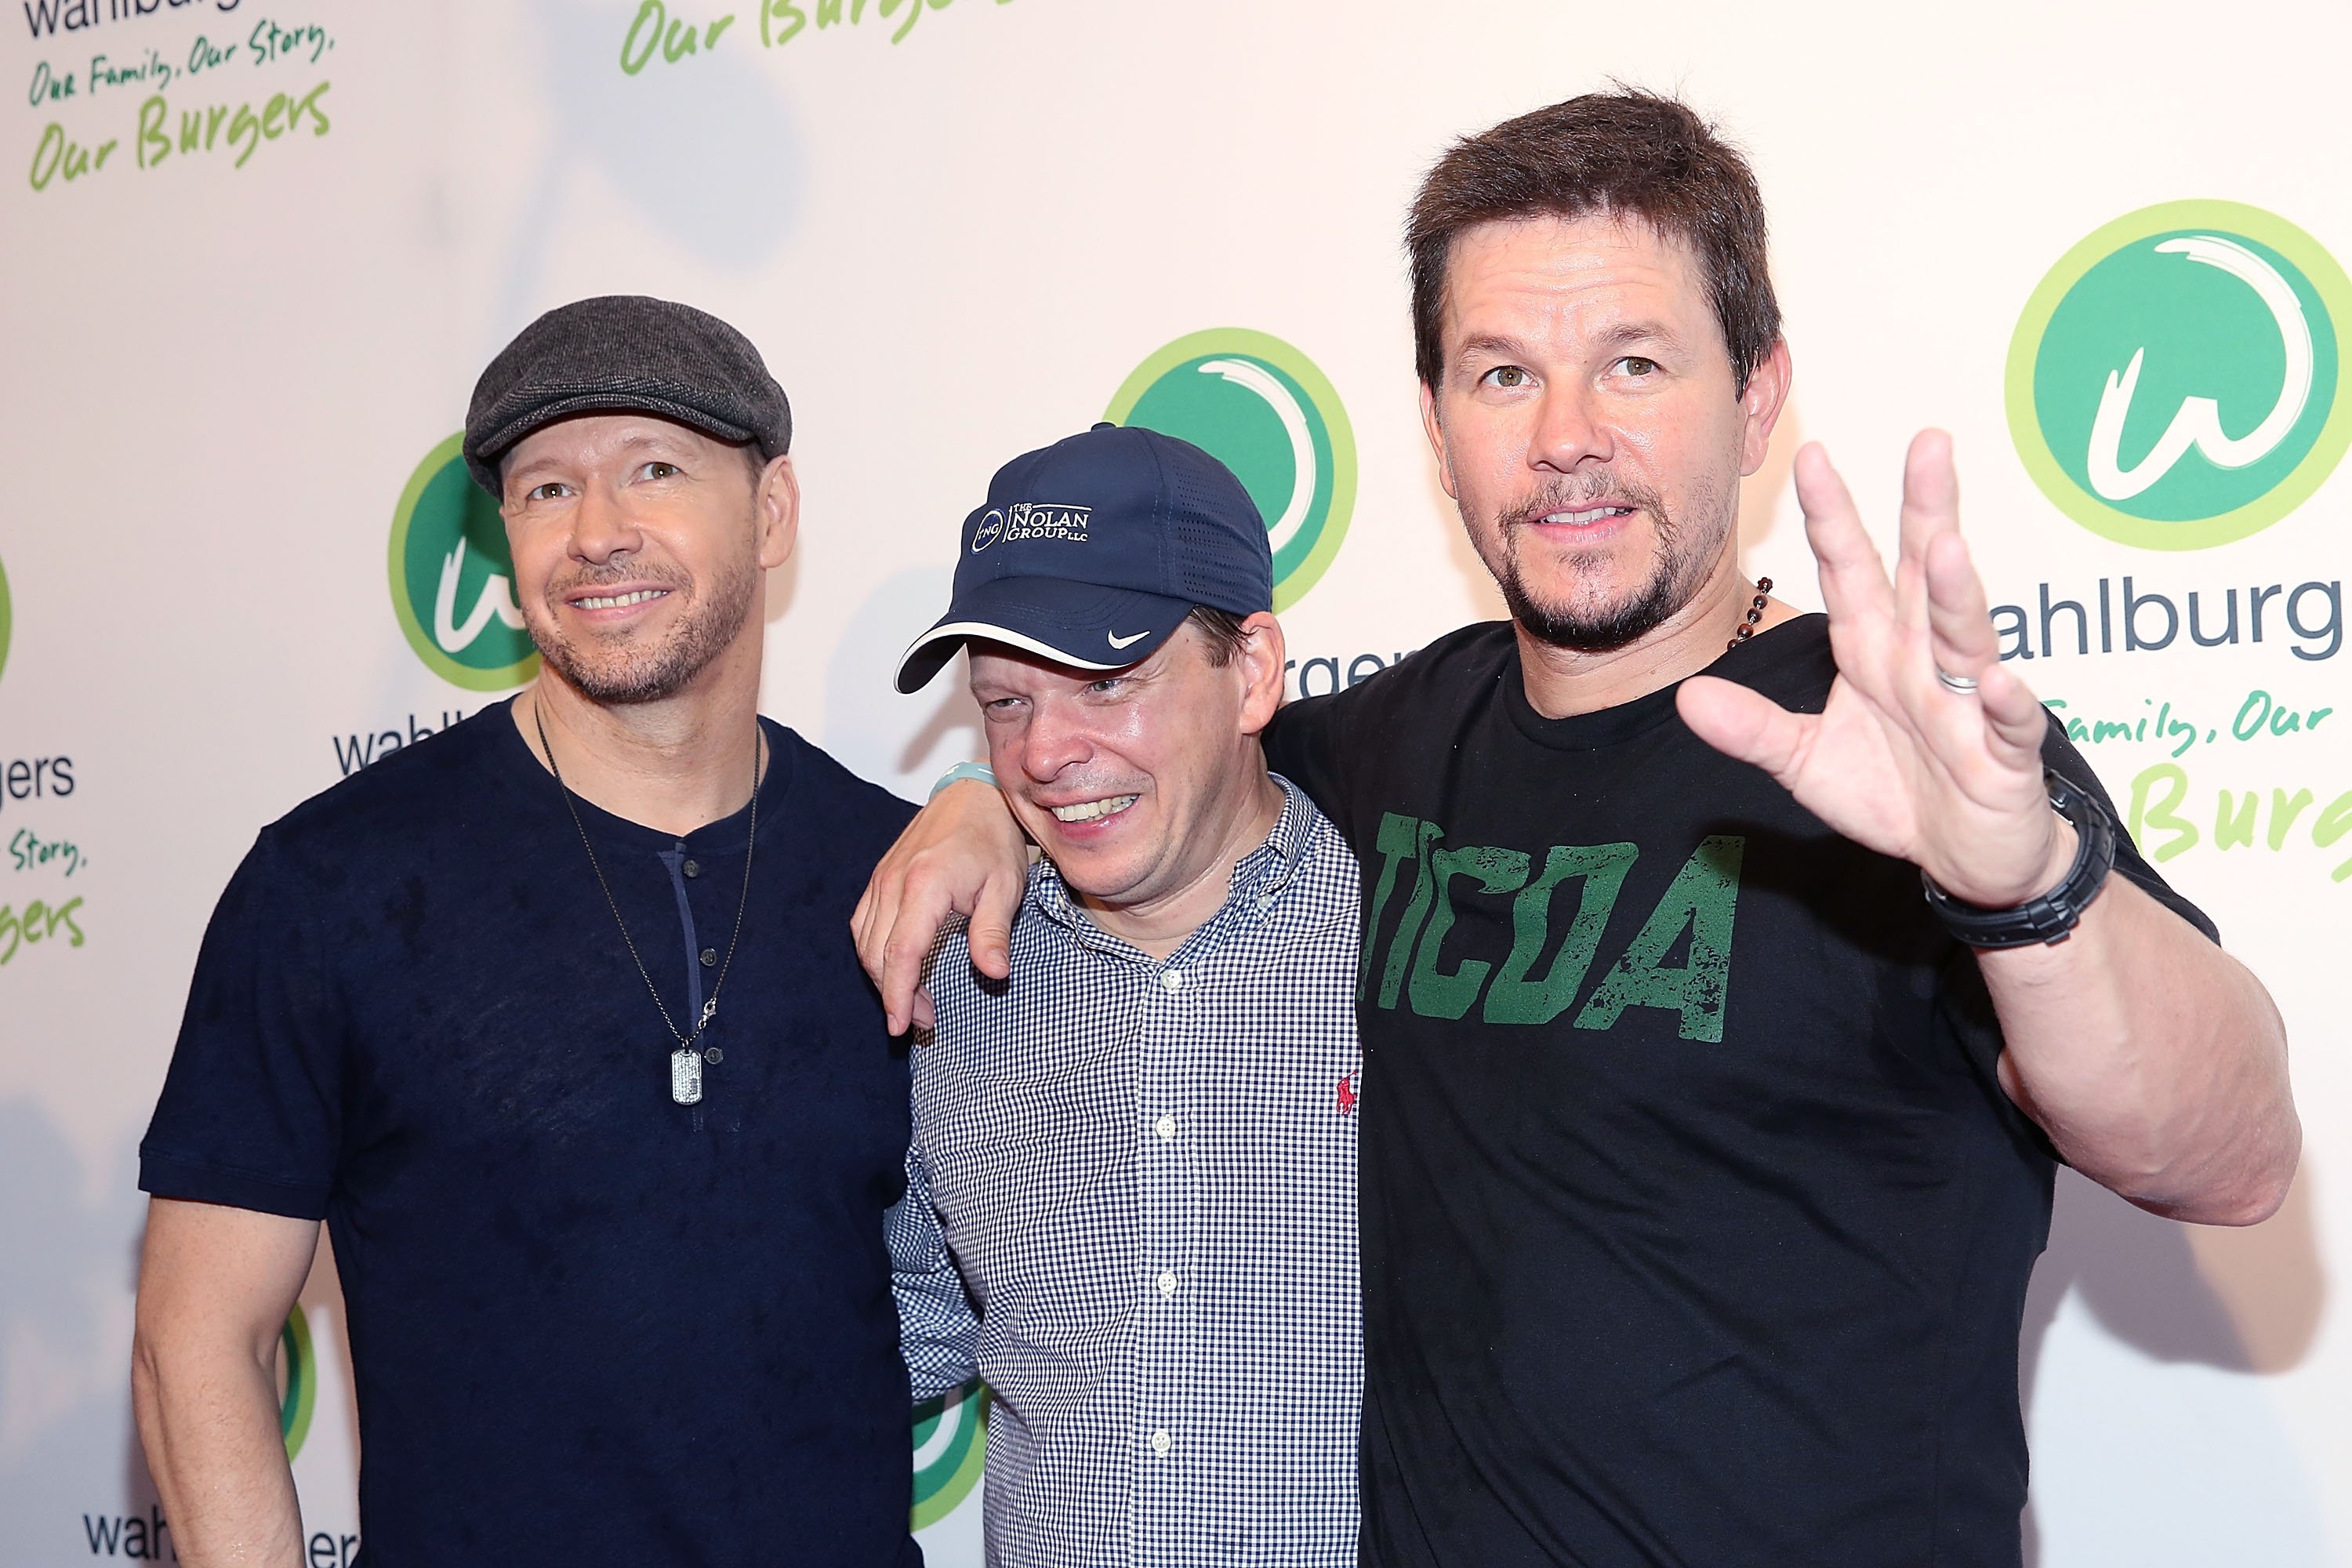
<point>1093,551</point>
<point>1140,1157</point>
<point>550,1015</point>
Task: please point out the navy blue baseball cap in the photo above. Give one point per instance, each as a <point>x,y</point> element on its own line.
<point>1091,551</point>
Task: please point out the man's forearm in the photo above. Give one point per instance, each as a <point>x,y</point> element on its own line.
<point>2156,1061</point>
<point>209,1423</point>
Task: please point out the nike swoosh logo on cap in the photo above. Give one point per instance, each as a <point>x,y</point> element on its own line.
<point>1118,641</point>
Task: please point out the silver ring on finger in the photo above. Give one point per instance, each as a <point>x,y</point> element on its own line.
<point>1960,685</point>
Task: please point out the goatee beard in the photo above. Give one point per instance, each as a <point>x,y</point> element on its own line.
<point>1597,629</point>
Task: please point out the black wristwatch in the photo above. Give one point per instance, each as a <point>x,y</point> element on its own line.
<point>2050,918</point>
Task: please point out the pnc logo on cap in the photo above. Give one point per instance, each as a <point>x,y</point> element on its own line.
<point>452,581</point>
<point>2176,381</point>
<point>1263,409</point>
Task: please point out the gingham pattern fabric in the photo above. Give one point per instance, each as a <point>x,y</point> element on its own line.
<point>1145,1172</point>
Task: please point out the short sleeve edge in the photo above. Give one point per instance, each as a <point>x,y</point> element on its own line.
<point>166,1175</point>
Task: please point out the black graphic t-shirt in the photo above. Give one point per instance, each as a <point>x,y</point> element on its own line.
<point>1695,1225</point>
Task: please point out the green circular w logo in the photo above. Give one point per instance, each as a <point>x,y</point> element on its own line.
<point>950,1451</point>
<point>2176,381</point>
<point>452,580</point>
<point>4,619</point>
<point>1263,409</point>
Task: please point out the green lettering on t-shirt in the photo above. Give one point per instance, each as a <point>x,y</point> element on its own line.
<point>1441,995</point>
<point>1515,999</point>
<point>1397,839</point>
<point>1702,899</point>
<point>1399,836</point>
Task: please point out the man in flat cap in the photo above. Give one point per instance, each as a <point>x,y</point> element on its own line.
<point>551,1019</point>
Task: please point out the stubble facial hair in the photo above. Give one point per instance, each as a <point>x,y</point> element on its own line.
<point>627,674</point>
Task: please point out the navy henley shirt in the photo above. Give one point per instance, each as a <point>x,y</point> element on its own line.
<point>588,1325</point>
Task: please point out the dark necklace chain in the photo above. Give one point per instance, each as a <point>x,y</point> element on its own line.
<point>1755,613</point>
<point>710,1006</point>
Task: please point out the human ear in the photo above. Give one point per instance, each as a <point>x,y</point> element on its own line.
<point>1437,433</point>
<point>1761,405</point>
<point>1262,661</point>
<point>776,504</point>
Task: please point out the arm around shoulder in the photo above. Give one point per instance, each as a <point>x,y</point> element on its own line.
<point>215,1286</point>
<point>963,854</point>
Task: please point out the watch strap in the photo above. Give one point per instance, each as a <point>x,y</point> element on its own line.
<point>2050,918</point>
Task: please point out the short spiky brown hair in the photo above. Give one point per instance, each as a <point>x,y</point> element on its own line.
<point>1626,154</point>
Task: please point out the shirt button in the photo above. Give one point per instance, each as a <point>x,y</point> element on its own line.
<point>1173,979</point>
<point>709,956</point>
<point>1161,1442</point>
<point>1167,1282</point>
<point>692,868</point>
<point>713,1055</point>
<point>1166,1128</point>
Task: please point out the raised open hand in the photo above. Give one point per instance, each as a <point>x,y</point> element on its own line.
<point>1902,760</point>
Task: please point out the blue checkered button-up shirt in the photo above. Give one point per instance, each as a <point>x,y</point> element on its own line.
<point>1143,1171</point>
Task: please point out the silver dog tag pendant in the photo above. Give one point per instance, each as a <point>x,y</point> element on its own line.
<point>685,1076</point>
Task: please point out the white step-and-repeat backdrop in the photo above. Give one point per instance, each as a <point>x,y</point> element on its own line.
<point>253,254</point>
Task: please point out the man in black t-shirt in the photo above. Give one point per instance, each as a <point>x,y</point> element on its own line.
<point>550,1018</point>
<point>1703,1162</point>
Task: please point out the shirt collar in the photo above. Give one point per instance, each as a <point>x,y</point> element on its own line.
<point>1259,879</point>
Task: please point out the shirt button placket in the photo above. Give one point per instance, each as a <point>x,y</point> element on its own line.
<point>1167,1187</point>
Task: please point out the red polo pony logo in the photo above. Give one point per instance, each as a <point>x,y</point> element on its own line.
<point>1347,1094</point>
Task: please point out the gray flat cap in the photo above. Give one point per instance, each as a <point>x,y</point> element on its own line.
<point>626,352</point>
